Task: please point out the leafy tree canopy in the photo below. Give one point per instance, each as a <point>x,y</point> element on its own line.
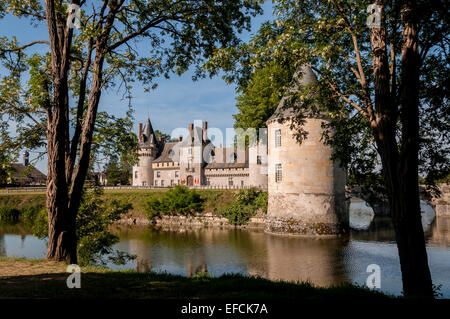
<point>333,39</point>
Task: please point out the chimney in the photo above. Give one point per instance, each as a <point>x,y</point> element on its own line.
<point>140,132</point>
<point>26,158</point>
<point>204,129</point>
<point>180,138</point>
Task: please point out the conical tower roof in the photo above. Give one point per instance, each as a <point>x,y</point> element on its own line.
<point>307,77</point>
<point>148,135</point>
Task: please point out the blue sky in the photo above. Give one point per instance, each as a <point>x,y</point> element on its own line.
<point>174,103</point>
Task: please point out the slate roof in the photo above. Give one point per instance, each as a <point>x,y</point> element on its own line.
<point>307,78</point>
<point>27,174</point>
<point>148,134</point>
<point>221,163</point>
<point>165,156</point>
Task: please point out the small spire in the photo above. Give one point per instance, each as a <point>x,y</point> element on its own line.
<point>148,133</point>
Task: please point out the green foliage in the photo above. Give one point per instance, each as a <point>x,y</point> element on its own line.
<point>118,173</point>
<point>95,241</point>
<point>176,35</point>
<point>238,214</point>
<point>25,215</point>
<point>6,169</point>
<point>177,201</point>
<point>40,224</point>
<point>261,201</point>
<point>260,97</point>
<point>115,142</point>
<point>9,215</point>
<point>246,204</point>
<point>326,36</point>
<point>165,137</point>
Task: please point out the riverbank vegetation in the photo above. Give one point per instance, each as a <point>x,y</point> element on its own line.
<point>237,208</point>
<point>36,278</point>
<point>246,204</point>
<point>176,201</point>
<point>99,210</point>
<point>96,214</point>
<point>224,202</point>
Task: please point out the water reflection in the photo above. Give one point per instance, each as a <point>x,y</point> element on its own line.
<point>16,241</point>
<point>303,259</point>
<point>440,233</point>
<point>324,262</point>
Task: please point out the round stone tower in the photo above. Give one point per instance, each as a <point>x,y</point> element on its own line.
<point>306,188</point>
<point>148,149</point>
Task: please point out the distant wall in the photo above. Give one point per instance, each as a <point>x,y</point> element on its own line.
<point>442,204</point>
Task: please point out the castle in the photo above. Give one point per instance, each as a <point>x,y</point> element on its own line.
<point>195,161</point>
<point>306,189</point>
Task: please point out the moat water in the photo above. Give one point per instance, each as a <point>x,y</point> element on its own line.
<point>251,252</point>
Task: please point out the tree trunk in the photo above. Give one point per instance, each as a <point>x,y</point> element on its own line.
<point>400,167</point>
<point>405,210</point>
<point>406,213</point>
<point>61,224</point>
<point>61,230</point>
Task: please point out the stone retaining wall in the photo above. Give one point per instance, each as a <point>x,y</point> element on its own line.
<point>193,221</point>
<point>442,204</point>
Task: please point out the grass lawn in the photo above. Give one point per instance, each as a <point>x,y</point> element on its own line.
<point>37,278</point>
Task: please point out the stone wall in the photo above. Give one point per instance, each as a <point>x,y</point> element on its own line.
<point>199,220</point>
<point>310,199</point>
<point>442,204</point>
<point>167,174</point>
<point>220,177</point>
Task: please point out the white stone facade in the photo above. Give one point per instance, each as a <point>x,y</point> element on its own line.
<point>196,162</point>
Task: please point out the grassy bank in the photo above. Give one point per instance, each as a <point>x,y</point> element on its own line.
<point>215,201</point>
<point>22,278</point>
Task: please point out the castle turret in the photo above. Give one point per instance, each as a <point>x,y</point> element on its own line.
<point>306,188</point>
<point>148,149</point>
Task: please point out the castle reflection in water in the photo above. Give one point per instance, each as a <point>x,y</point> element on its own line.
<point>322,261</point>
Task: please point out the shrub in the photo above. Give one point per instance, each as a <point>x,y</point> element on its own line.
<point>238,214</point>
<point>9,215</point>
<point>176,201</point>
<point>246,204</point>
<point>261,201</point>
<point>94,240</point>
<point>40,225</point>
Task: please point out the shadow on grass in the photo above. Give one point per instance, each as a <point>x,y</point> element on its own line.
<point>109,284</point>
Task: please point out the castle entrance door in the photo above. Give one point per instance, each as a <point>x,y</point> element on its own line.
<point>190,181</point>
